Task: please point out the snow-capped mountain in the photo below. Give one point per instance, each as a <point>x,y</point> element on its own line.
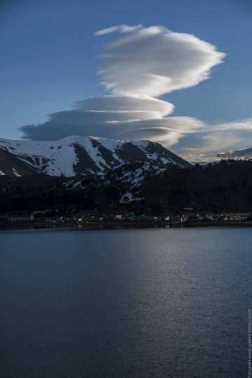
<point>74,156</point>
<point>245,154</point>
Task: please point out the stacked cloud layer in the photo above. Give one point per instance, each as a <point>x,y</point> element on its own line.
<point>139,65</point>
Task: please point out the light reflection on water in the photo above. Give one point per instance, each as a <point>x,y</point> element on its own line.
<point>135,303</point>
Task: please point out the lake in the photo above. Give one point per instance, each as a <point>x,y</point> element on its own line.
<point>133,303</point>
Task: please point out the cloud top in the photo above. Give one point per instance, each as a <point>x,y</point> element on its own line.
<point>153,61</point>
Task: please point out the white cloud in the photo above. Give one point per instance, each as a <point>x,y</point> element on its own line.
<point>242,125</point>
<point>144,108</point>
<point>153,61</point>
<point>213,139</point>
<point>117,28</point>
<point>133,119</point>
<point>139,66</point>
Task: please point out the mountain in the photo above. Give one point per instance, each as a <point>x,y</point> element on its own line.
<point>128,179</point>
<point>10,165</point>
<point>245,154</point>
<point>74,156</point>
<point>139,187</point>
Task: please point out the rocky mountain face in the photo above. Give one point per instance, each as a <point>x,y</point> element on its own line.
<point>78,156</point>
<point>12,166</point>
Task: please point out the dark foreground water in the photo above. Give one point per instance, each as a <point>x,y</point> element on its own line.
<point>150,303</point>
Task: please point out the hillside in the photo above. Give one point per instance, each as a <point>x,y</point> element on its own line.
<point>74,156</point>
<point>140,187</point>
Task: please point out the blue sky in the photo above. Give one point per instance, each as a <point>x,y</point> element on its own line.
<point>50,57</point>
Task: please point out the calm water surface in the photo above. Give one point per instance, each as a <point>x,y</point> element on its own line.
<point>147,303</point>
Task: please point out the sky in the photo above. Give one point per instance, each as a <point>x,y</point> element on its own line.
<point>175,71</point>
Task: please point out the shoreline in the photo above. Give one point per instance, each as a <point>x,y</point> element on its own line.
<point>119,226</point>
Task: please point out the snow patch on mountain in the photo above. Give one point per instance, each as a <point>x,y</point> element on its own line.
<point>76,155</point>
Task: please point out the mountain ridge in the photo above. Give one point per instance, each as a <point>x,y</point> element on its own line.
<point>73,156</point>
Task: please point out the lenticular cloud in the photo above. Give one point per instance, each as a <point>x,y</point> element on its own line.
<point>138,66</point>
<point>153,61</point>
